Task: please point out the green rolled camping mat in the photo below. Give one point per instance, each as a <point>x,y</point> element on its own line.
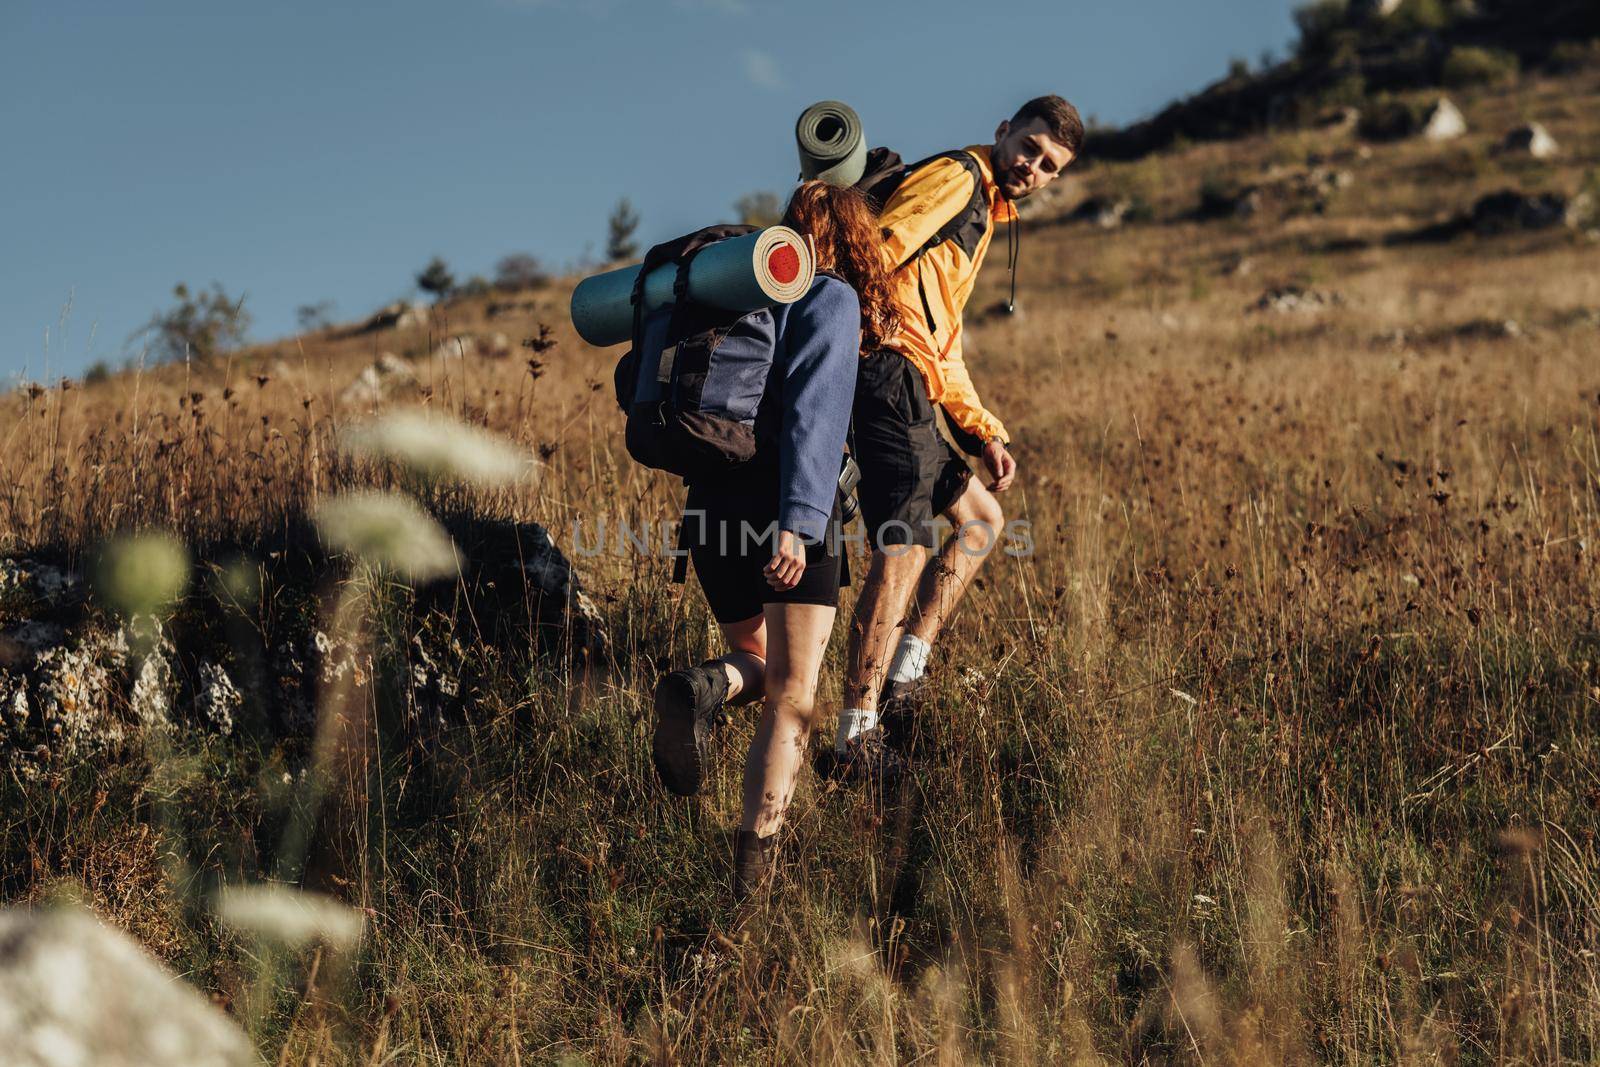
<point>770,266</point>
<point>833,148</point>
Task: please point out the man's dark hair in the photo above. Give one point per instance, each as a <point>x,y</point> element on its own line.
<point>1060,117</point>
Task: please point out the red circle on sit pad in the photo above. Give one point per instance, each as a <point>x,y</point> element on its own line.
<point>783,263</point>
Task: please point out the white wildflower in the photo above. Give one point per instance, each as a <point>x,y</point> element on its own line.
<point>289,917</point>
<point>143,573</point>
<point>390,532</point>
<point>440,449</point>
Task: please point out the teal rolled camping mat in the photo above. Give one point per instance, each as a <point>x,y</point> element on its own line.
<point>770,266</point>
<point>833,148</point>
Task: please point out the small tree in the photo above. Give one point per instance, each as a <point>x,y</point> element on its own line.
<point>436,279</point>
<point>759,209</point>
<point>313,317</point>
<point>619,242</point>
<point>519,271</point>
<point>202,325</point>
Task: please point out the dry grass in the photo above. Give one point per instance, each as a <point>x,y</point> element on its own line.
<point>1278,748</point>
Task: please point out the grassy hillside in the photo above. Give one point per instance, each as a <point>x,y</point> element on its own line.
<point>1278,747</point>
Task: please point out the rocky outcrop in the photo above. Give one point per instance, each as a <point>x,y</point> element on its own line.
<point>1291,299</point>
<point>1107,213</point>
<point>1531,140</point>
<point>1509,210</point>
<point>76,993</point>
<point>396,316</point>
<point>1443,121</point>
<point>378,381</point>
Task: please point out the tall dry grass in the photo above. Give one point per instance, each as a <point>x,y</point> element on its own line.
<point>1279,747</point>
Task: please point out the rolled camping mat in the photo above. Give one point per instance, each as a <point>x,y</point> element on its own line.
<point>770,266</point>
<point>833,148</point>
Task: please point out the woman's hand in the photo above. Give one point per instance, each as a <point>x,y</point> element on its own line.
<point>788,563</point>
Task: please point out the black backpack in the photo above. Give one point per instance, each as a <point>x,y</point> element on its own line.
<point>693,382</point>
<point>885,173</point>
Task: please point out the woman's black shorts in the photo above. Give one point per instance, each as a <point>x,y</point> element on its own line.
<point>730,529</point>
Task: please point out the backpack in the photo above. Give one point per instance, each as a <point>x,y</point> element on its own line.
<point>883,176</point>
<point>693,382</point>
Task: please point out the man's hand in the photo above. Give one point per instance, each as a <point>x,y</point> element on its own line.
<point>1001,467</point>
<point>788,563</point>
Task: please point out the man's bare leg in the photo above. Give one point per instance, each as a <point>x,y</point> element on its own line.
<point>885,593</point>
<point>978,520</point>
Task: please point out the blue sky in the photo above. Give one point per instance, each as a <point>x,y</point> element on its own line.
<point>306,151</point>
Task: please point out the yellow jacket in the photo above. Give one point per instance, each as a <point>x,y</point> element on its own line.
<point>928,199</point>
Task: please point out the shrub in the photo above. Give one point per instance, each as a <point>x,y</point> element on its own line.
<point>1317,22</point>
<point>520,271</point>
<point>1468,66</point>
<point>1419,16</point>
<point>1350,90</point>
<point>1139,210</point>
<point>202,325</point>
<point>1388,118</point>
<point>1570,57</point>
<point>477,285</point>
<point>436,278</point>
<point>98,371</point>
<point>313,317</point>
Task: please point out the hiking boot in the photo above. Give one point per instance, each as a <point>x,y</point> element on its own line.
<point>688,704</point>
<point>754,860</point>
<point>899,707</point>
<point>867,758</point>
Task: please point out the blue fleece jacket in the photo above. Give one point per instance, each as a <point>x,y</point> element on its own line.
<point>814,369</point>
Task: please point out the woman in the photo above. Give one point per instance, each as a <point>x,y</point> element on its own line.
<point>775,596</point>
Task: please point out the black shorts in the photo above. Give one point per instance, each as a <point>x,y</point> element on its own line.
<point>909,473</point>
<point>730,529</point>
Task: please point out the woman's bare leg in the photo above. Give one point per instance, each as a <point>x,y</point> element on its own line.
<point>745,662</point>
<point>797,637</point>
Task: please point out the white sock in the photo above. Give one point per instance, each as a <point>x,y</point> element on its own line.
<point>853,722</point>
<point>910,659</point>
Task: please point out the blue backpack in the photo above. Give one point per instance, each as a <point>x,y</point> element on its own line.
<point>694,382</point>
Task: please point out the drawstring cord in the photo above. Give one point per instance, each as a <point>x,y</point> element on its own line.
<point>1013,256</point>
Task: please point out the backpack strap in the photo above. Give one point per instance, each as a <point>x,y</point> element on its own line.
<point>680,297</point>
<point>966,227</point>
<point>974,216</point>
<point>680,562</point>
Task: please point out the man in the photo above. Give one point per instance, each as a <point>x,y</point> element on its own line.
<point>938,224</point>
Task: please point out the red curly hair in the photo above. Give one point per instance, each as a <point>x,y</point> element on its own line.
<point>848,243</point>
